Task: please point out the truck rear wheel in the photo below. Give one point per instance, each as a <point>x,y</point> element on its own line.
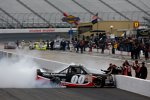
<point>98,82</point>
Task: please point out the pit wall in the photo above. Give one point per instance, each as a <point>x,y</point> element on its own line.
<point>127,83</point>
<point>133,84</point>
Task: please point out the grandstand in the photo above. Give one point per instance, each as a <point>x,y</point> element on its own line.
<point>48,13</point>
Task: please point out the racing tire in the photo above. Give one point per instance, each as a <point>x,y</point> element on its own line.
<point>98,82</point>
<point>56,80</point>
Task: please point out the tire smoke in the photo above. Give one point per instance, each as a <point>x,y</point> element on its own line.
<point>20,72</point>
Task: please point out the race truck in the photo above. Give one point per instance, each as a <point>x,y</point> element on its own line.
<point>77,76</point>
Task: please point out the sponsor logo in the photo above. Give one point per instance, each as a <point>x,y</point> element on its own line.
<point>70,19</point>
<point>55,74</point>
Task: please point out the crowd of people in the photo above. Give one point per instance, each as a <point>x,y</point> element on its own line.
<point>134,46</point>
<point>101,42</point>
<point>126,69</point>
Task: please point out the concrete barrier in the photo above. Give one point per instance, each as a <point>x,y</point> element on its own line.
<point>134,85</point>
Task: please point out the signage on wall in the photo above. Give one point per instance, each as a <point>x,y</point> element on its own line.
<point>35,30</point>
<point>136,24</point>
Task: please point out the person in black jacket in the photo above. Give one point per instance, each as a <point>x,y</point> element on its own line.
<point>52,45</point>
<point>143,71</point>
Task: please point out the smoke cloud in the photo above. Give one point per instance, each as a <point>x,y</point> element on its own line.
<point>20,72</point>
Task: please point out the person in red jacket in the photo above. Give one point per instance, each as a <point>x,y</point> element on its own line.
<point>126,69</point>
<point>136,67</point>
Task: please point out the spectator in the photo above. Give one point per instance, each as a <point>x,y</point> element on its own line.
<point>52,45</point>
<point>17,43</point>
<point>47,46</point>
<point>126,69</point>
<point>112,69</point>
<point>113,49</point>
<point>22,44</point>
<point>77,46</point>
<point>90,46</point>
<point>81,45</point>
<point>126,62</point>
<point>64,45</point>
<point>136,51</point>
<point>143,71</point>
<point>136,67</point>
<point>146,49</point>
<point>103,47</point>
<point>132,51</point>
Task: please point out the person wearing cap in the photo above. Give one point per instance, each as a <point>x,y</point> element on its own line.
<point>143,71</point>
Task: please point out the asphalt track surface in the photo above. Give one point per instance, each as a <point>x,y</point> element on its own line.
<point>69,94</point>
